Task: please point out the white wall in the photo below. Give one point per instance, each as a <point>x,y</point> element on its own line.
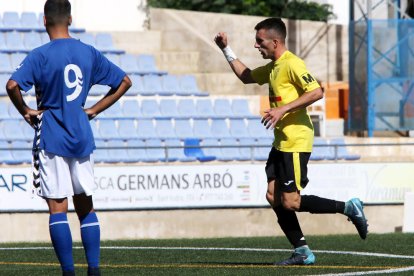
<point>94,15</point>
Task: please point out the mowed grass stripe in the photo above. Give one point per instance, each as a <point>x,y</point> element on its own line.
<point>207,265</point>
<point>355,253</point>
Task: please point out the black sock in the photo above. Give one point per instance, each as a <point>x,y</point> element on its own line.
<point>319,205</point>
<point>290,226</point>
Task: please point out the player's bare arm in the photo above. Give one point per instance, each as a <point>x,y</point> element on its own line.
<point>273,115</point>
<point>110,98</point>
<point>29,115</point>
<point>238,67</point>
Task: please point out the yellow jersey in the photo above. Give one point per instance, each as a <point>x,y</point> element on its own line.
<point>288,79</point>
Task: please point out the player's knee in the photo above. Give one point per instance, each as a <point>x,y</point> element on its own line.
<point>270,198</point>
<point>291,205</point>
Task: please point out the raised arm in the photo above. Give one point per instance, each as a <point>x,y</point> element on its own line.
<point>238,67</point>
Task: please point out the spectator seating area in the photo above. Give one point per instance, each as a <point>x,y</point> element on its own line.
<point>162,118</point>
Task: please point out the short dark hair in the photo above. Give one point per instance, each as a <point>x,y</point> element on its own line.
<point>57,12</point>
<point>272,23</point>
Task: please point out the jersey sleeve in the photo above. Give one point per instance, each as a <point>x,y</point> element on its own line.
<point>261,74</point>
<point>105,72</point>
<point>300,76</point>
<point>27,73</point>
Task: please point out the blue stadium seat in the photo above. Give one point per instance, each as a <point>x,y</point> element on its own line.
<point>3,44</point>
<point>168,108</point>
<point>117,151</point>
<point>44,37</point>
<point>12,130</point>
<point>204,108</point>
<point>146,65</point>
<point>131,109</point>
<point>261,152</point>
<point>90,102</point>
<point>100,154</point>
<point>153,86</point>
<point>5,65</point>
<point>219,128</point>
<point>4,110</point>
<point>32,40</point>
<point>183,129</point>
<point>11,21</point>
<point>257,130</point>
<point>114,111</point>
<point>155,150</point>
<point>127,129</point>
<point>108,130</point>
<point>246,149</point>
<point>13,113</point>
<point>186,108</point>
<point>29,22</point>
<point>128,63</point>
<point>3,81</point>
<point>165,129</point>
<point>95,131</point>
<point>238,128</point>
<point>86,38</point>
<point>98,90</point>
<point>28,131</point>
<point>322,150</point>
<point>21,151</point>
<point>14,42</point>
<point>114,58</point>
<point>16,59</point>
<point>150,108</point>
<point>32,104</point>
<point>170,84</point>
<point>202,129</point>
<point>192,149</point>
<point>146,129</point>
<point>136,151</point>
<point>137,86</point>
<point>211,147</point>
<point>6,156</point>
<point>105,44</point>
<point>175,151</point>
<point>222,108</point>
<point>230,150</point>
<point>188,84</point>
<point>240,109</point>
<point>342,151</point>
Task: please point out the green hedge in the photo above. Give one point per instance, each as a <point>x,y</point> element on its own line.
<point>292,9</point>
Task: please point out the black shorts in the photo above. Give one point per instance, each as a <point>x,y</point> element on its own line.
<point>289,169</point>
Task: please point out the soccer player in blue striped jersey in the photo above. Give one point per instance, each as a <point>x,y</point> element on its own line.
<point>62,72</point>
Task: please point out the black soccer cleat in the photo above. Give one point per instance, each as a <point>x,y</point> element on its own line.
<point>299,259</point>
<point>354,209</point>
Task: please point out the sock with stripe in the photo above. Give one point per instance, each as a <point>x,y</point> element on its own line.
<point>62,240</point>
<point>91,235</point>
<point>289,224</point>
<point>320,205</point>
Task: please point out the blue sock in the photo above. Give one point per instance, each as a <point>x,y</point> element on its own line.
<point>91,236</point>
<point>61,240</point>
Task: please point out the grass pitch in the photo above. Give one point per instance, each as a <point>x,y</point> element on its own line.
<point>335,255</point>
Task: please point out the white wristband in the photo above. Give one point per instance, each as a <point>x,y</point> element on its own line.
<point>229,54</point>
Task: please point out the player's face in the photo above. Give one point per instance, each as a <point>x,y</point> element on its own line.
<point>266,44</point>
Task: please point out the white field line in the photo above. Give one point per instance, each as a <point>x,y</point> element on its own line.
<point>356,253</point>
<point>368,254</point>
<point>386,271</point>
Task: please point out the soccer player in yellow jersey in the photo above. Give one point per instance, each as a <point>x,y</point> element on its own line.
<point>291,89</point>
